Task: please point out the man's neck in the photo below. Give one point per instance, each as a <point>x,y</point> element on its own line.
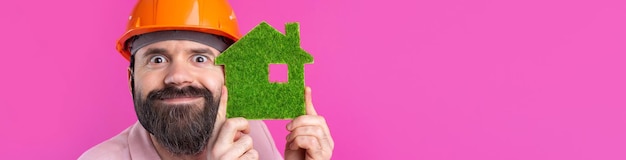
<point>167,155</point>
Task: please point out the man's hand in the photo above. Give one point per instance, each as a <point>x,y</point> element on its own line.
<point>233,141</point>
<point>310,137</point>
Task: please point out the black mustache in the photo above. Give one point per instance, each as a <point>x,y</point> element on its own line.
<point>174,92</point>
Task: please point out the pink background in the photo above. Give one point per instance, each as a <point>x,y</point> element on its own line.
<point>411,79</point>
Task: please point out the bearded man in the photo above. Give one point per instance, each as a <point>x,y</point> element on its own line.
<point>180,97</point>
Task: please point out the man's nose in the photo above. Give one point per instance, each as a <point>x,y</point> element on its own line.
<point>179,74</point>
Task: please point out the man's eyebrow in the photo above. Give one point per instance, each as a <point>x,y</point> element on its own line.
<point>202,50</point>
<point>152,51</point>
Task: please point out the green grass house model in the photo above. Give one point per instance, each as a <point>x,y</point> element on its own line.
<point>246,63</point>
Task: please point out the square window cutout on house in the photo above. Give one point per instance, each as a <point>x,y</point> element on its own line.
<point>278,73</point>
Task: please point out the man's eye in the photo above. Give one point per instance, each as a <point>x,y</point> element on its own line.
<point>200,58</point>
<point>157,59</point>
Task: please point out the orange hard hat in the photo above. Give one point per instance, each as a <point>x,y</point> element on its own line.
<point>207,16</point>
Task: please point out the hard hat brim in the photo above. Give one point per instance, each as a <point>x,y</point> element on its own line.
<point>122,47</point>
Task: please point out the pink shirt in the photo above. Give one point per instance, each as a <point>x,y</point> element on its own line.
<point>134,143</point>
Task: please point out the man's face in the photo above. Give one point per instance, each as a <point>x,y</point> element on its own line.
<point>176,93</point>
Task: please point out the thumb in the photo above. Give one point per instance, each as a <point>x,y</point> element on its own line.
<point>310,110</point>
<point>223,102</point>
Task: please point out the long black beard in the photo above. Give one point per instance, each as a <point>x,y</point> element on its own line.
<point>181,129</point>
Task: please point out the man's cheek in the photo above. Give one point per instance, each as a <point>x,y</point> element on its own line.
<point>215,88</point>
<point>145,86</point>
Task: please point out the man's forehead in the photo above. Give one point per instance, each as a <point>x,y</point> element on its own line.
<point>149,39</point>
<point>174,46</point>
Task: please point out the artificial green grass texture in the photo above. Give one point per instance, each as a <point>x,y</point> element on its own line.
<point>246,63</point>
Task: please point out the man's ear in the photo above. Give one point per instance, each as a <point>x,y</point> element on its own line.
<point>130,80</point>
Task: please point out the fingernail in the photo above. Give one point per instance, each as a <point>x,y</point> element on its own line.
<point>289,126</point>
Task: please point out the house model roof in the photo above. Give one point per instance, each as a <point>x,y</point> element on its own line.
<point>266,44</point>
<point>246,63</point>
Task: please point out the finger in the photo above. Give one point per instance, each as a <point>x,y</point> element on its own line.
<point>250,155</point>
<point>309,120</point>
<point>239,148</point>
<point>304,142</point>
<point>306,131</point>
<point>310,110</point>
<point>306,120</point>
<point>223,102</point>
<point>224,96</point>
<point>237,136</point>
<point>230,128</point>
<point>315,131</point>
<point>310,144</point>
